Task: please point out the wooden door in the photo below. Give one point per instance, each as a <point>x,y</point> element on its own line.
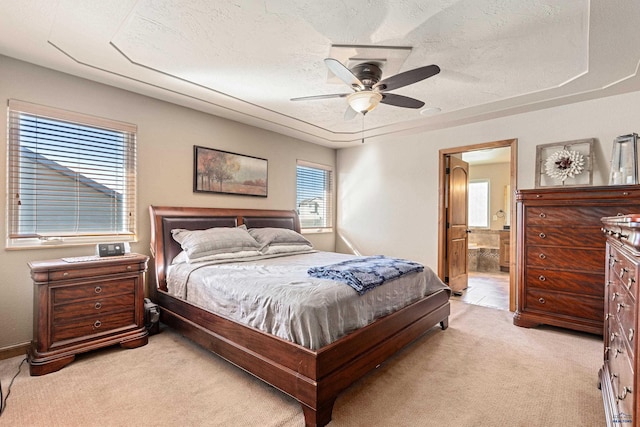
<point>457,227</point>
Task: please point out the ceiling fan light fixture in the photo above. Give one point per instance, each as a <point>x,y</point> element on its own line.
<point>364,101</point>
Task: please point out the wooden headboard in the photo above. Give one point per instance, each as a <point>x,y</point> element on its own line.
<point>166,218</point>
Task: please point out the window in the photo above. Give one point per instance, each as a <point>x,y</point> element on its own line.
<point>479,203</point>
<point>71,178</point>
<point>314,185</point>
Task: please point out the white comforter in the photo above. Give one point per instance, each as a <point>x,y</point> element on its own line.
<point>276,295</point>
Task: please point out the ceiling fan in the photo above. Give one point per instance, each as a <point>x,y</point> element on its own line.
<point>369,90</point>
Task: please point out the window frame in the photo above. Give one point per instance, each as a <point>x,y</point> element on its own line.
<point>328,198</point>
<point>125,229</point>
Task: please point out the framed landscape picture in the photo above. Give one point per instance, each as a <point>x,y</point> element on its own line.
<point>217,171</point>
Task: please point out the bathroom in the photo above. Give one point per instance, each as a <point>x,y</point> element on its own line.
<point>488,240</point>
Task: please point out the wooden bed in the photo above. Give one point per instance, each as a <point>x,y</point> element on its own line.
<point>314,378</point>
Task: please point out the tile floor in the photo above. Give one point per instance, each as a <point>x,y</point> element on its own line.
<point>487,289</point>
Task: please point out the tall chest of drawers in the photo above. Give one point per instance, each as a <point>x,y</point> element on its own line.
<point>82,306</point>
<point>619,373</point>
<point>561,251</point>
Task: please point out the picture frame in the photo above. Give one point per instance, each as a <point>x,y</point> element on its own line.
<point>624,160</point>
<point>224,172</point>
<point>565,164</point>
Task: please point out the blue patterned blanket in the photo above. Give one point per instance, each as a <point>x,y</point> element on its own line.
<point>364,274</point>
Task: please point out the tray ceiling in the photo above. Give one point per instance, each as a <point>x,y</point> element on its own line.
<point>245,59</point>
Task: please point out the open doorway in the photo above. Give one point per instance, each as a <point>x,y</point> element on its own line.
<point>488,256</point>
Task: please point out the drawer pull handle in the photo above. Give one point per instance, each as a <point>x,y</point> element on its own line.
<point>618,351</point>
<point>630,283</point>
<point>543,215</point>
<point>606,350</point>
<point>128,267</point>
<point>612,262</point>
<point>620,307</point>
<point>614,296</point>
<point>632,333</point>
<point>613,336</point>
<point>542,278</point>
<point>542,256</point>
<point>98,305</point>
<point>624,270</point>
<point>97,324</point>
<point>542,235</point>
<point>65,274</point>
<point>613,376</point>
<point>607,316</point>
<point>625,391</point>
<point>541,300</point>
<point>98,289</point>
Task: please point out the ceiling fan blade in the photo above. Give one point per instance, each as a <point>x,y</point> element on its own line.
<point>407,78</point>
<point>343,73</point>
<point>332,95</point>
<point>400,101</point>
<point>350,113</point>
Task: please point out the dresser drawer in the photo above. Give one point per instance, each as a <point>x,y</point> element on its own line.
<point>569,281</point>
<point>625,312</point>
<point>622,381</point>
<point>623,271</point>
<point>572,305</point>
<point>102,288</point>
<point>88,326</point>
<point>96,306</point>
<point>588,216</point>
<point>589,237</point>
<point>591,260</point>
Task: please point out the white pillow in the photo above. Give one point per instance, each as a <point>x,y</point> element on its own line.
<point>183,258</point>
<point>269,236</point>
<point>286,249</point>
<point>219,240</point>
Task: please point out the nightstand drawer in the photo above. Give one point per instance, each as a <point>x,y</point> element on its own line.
<point>102,268</point>
<point>103,288</point>
<point>92,325</point>
<point>96,306</point>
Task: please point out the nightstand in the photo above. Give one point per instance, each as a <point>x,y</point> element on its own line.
<point>85,303</point>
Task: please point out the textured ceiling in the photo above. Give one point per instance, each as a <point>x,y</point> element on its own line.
<point>245,59</point>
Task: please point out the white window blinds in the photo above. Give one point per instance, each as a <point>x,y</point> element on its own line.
<point>314,185</point>
<point>71,177</point>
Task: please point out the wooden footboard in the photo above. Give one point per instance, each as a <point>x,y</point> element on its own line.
<point>314,378</point>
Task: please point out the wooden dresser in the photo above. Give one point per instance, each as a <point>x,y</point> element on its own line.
<point>560,253</point>
<point>619,374</point>
<point>85,305</point>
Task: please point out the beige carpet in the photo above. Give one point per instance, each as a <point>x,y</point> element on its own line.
<point>482,371</point>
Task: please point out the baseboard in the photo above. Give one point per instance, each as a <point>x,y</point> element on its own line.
<point>13,351</point>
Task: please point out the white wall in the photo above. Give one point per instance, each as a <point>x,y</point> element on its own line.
<point>166,136</point>
<point>388,191</point>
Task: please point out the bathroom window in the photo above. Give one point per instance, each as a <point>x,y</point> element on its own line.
<point>479,203</point>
